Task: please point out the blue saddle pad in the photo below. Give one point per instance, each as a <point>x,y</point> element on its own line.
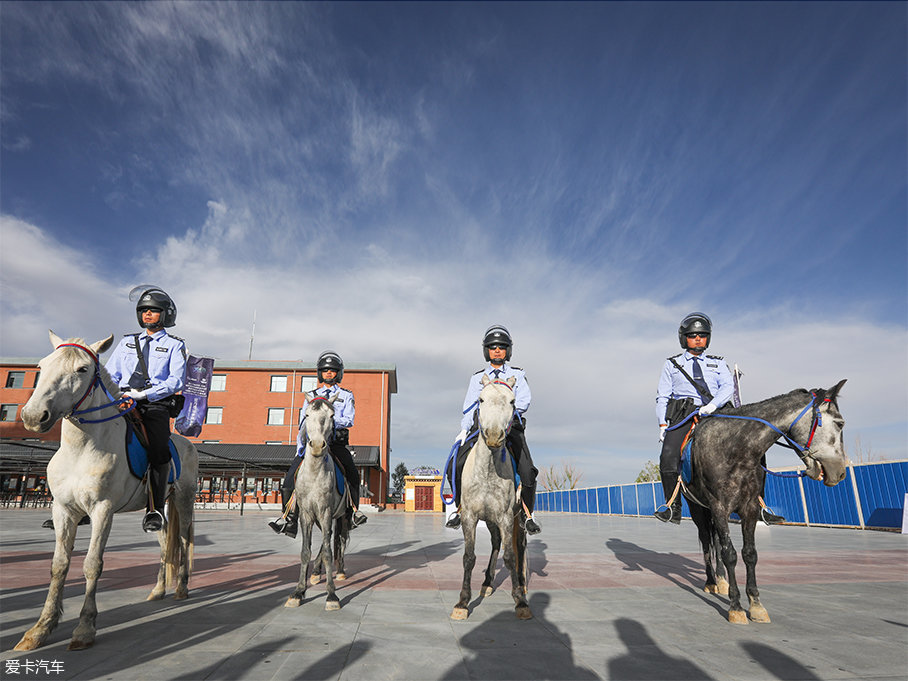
<point>687,468</point>
<point>137,456</point>
<point>339,477</point>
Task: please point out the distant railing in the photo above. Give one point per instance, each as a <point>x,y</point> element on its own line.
<point>871,497</point>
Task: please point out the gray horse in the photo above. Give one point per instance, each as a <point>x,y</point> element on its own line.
<point>320,504</point>
<point>89,475</point>
<point>727,478</point>
<point>487,493</point>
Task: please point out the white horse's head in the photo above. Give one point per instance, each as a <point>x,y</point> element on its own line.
<point>319,423</point>
<point>496,409</point>
<point>66,377</point>
<point>826,459</point>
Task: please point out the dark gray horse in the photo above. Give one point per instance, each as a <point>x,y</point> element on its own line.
<point>488,494</point>
<point>320,504</point>
<point>727,477</point>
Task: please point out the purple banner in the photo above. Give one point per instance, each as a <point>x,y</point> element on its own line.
<point>195,390</point>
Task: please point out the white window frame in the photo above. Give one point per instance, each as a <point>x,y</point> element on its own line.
<point>218,385</point>
<point>11,409</point>
<point>210,416</point>
<point>273,419</point>
<point>308,384</point>
<point>11,380</point>
<point>278,381</point>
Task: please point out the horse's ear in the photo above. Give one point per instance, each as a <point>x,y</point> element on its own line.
<point>485,379</point>
<point>55,340</point>
<point>833,392</point>
<point>102,345</point>
<point>333,398</point>
<point>511,381</point>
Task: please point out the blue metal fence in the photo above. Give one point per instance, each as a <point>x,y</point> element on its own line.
<point>871,496</point>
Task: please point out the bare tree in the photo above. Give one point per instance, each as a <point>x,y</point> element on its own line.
<point>560,476</point>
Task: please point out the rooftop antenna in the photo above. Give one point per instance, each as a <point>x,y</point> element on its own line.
<point>252,337</point>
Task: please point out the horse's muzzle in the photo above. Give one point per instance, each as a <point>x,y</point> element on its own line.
<point>37,421</point>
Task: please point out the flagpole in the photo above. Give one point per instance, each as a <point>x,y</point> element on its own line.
<point>252,338</point>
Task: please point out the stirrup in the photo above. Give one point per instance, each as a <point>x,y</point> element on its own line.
<point>531,526</point>
<point>668,515</point>
<point>770,518</point>
<point>153,521</point>
<point>359,518</point>
<point>278,525</point>
<point>453,521</point>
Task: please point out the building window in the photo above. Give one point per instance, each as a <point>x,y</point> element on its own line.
<point>218,382</point>
<point>215,415</point>
<point>274,442</point>
<point>302,415</point>
<point>275,417</point>
<point>8,412</point>
<point>308,383</point>
<point>211,442</point>
<point>278,384</point>
<point>15,379</point>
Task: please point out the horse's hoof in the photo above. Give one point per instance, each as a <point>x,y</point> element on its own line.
<point>181,595</point>
<point>78,644</point>
<point>722,585</point>
<point>486,591</point>
<point>29,642</point>
<point>315,579</point>
<point>340,576</point>
<point>292,603</point>
<point>524,612</point>
<point>758,614</point>
<point>460,614</point>
<point>155,596</point>
<point>737,617</point>
<point>333,605</point>
<point>711,589</point>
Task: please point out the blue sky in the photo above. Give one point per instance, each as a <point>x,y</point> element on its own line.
<point>390,179</point>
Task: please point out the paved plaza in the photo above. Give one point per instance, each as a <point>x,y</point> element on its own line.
<point>612,598</point>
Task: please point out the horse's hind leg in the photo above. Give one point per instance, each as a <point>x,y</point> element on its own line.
<point>736,614</point>
<point>84,633</point>
<point>317,566</point>
<point>65,529</point>
<point>178,546</point>
<point>339,546</point>
<point>520,552</point>
<point>518,593</point>
<point>703,520</point>
<point>461,609</point>
<point>487,587</point>
<point>749,553</point>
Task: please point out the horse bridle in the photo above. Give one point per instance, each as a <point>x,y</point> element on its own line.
<point>96,382</point>
<point>510,420</point>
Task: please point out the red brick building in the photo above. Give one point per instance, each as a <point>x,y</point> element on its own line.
<point>249,437</point>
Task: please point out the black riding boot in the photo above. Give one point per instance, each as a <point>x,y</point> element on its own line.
<point>278,525</point>
<point>528,497</point>
<point>291,525</point>
<point>157,478</point>
<point>673,513</point>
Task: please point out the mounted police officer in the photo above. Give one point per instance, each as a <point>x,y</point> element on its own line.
<point>496,347</point>
<point>690,382</point>
<point>150,368</point>
<point>330,370</point>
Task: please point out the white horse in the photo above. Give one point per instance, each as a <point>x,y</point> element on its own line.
<point>487,493</point>
<point>319,503</point>
<point>89,475</point>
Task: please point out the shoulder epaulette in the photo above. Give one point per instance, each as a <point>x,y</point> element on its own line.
<point>674,356</point>
<point>182,340</point>
<point>479,372</point>
<point>517,368</point>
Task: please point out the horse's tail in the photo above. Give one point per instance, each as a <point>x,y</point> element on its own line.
<point>173,548</point>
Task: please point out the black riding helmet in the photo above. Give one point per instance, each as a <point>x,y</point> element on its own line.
<point>330,360</point>
<point>695,322</point>
<point>149,297</point>
<point>496,335</point>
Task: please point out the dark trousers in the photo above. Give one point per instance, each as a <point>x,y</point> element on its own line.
<point>156,418</point>
<point>343,456</point>
<point>670,458</point>
<point>517,444</point>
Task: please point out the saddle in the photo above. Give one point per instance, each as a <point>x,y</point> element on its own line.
<point>137,451</point>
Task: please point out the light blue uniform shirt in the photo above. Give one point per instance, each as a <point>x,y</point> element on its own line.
<point>521,391</point>
<point>166,364</point>
<point>673,384</point>
<point>344,412</point>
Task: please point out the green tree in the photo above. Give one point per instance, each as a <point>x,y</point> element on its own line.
<point>650,473</point>
<point>397,478</point>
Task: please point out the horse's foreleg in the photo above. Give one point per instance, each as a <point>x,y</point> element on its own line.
<point>736,614</point>
<point>487,586</point>
<point>65,530</point>
<point>510,560</point>
<point>461,610</point>
<point>296,598</point>
<point>749,554</point>
<point>703,520</point>
<point>84,633</point>
<point>520,553</point>
<point>332,602</point>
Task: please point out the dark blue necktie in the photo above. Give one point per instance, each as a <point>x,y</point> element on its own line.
<point>698,378</point>
<point>146,351</point>
<point>497,372</point>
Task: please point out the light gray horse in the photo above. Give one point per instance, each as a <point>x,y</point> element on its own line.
<point>320,504</point>
<point>89,475</point>
<point>487,493</point>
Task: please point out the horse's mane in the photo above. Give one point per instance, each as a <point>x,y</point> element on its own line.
<point>754,407</point>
